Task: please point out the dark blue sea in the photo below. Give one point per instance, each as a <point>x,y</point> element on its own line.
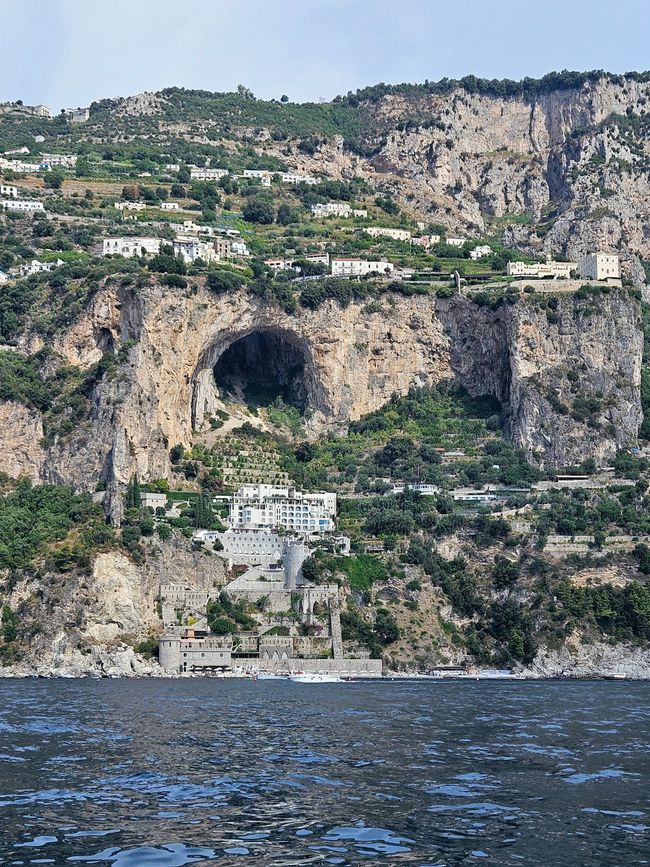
<point>204,771</point>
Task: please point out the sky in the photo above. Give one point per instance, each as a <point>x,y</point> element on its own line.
<point>67,53</point>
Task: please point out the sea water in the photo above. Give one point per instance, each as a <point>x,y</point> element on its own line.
<point>228,772</point>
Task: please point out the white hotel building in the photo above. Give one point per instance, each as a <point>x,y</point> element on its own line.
<point>274,506</point>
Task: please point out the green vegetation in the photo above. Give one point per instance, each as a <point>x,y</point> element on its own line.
<point>375,636</point>
<point>225,616</point>
<point>33,520</point>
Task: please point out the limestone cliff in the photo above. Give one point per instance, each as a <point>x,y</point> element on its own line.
<point>545,366</point>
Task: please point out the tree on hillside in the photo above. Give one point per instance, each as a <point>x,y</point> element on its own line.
<point>258,211</point>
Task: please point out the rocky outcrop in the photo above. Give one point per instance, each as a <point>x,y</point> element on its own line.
<point>21,432</point>
<point>569,376</point>
<point>579,658</point>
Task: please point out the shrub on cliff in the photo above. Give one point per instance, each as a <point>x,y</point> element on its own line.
<point>220,281</point>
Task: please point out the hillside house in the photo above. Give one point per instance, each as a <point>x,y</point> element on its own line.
<point>130,206</point>
<point>204,174</point>
<point>7,190</point>
<point>129,247</point>
<point>36,267</point>
<point>353,267</point>
<point>480,252</point>
<point>190,249</point>
<point>331,209</point>
<point>65,161</point>
<point>27,205</point>
<point>386,232</point>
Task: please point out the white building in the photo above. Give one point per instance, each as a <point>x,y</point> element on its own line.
<point>291,178</point>
<point>22,205</point>
<point>239,248</point>
<point>4,278</point>
<point>67,161</point>
<point>556,270</point>
<point>424,489</point>
<point>130,206</point>
<point>385,232</point>
<point>20,167</point>
<point>36,267</point>
<point>197,174</point>
<point>129,247</point>
<point>174,167</point>
<point>331,209</point>
<point>480,251</point>
<point>359,212</point>
<point>455,242</point>
<point>279,264</point>
<point>6,190</point>
<point>600,266</point>
<point>320,258</point>
<point>352,267</point>
<point>17,151</point>
<point>190,249</point>
<point>170,206</point>
<point>274,506</point>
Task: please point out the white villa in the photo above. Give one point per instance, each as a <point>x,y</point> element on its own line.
<point>68,161</point>
<point>381,231</point>
<point>190,249</point>
<point>22,205</point>
<point>200,174</point>
<point>129,247</point>
<point>130,206</point>
<point>331,209</point>
<point>6,190</point>
<point>556,270</point>
<point>480,251</point>
<point>352,267</point>
<point>36,267</point>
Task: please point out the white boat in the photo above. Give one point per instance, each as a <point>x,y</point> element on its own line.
<point>270,675</point>
<point>314,677</point>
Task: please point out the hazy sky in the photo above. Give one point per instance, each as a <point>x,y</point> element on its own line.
<point>68,52</point>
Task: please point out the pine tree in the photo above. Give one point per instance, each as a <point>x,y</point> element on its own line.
<point>128,496</point>
<point>136,492</point>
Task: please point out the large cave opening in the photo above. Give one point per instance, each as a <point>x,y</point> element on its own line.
<point>261,367</point>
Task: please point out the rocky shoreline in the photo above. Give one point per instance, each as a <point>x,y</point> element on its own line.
<point>599,661</point>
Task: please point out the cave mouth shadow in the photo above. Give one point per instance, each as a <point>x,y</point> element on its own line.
<point>261,367</point>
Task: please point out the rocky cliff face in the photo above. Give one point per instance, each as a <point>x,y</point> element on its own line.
<point>564,171</point>
<point>569,377</point>
<point>544,366</point>
<point>90,624</point>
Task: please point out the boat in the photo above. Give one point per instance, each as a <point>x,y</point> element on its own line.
<point>270,675</point>
<point>314,677</point>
